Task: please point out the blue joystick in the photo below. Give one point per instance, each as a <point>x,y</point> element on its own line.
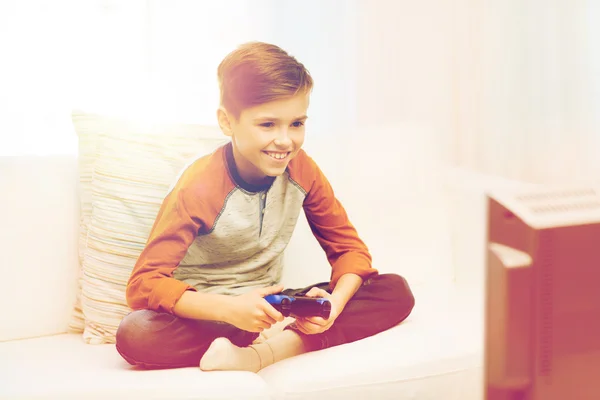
<point>300,306</point>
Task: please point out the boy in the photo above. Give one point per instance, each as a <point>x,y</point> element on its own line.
<point>216,248</point>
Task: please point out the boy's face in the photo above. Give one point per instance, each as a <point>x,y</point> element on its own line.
<point>266,137</point>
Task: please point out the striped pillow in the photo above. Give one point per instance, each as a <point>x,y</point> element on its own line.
<point>88,127</point>
<point>133,169</point>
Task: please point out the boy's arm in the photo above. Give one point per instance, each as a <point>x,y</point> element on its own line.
<point>345,288</point>
<point>206,306</point>
<point>330,224</point>
<point>151,285</point>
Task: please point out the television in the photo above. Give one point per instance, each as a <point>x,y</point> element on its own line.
<point>542,294</point>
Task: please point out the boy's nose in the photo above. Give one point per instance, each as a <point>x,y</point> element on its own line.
<point>283,138</point>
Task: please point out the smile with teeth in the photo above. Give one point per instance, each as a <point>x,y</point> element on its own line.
<point>277,156</point>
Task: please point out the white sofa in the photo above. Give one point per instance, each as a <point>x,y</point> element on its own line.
<point>436,353</point>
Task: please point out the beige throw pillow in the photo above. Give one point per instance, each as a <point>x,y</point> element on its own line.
<point>133,168</point>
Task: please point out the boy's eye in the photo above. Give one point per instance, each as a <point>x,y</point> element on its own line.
<point>296,124</point>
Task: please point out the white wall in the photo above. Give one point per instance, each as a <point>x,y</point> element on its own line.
<point>403,90</point>
<point>401,143</point>
<point>381,113</point>
<point>529,98</point>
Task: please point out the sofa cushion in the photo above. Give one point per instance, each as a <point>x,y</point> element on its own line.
<point>435,353</point>
<point>134,165</point>
<point>394,193</point>
<point>64,367</point>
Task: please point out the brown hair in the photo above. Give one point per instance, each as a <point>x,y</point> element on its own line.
<point>257,73</point>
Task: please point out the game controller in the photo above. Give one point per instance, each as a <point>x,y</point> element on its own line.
<point>300,306</point>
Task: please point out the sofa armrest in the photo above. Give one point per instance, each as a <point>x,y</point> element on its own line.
<point>39,211</point>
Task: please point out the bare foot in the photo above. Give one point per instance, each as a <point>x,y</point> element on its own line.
<point>222,355</point>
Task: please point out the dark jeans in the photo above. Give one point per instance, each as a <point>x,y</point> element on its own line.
<point>150,339</point>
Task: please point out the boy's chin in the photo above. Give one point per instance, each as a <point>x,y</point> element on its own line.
<point>270,170</point>
<point>274,172</point>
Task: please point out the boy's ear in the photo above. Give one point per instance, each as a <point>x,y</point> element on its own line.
<point>224,121</point>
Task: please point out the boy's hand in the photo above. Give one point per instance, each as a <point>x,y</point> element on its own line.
<point>251,312</point>
<point>313,325</point>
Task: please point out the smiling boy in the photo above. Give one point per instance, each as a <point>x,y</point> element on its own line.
<point>216,248</point>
